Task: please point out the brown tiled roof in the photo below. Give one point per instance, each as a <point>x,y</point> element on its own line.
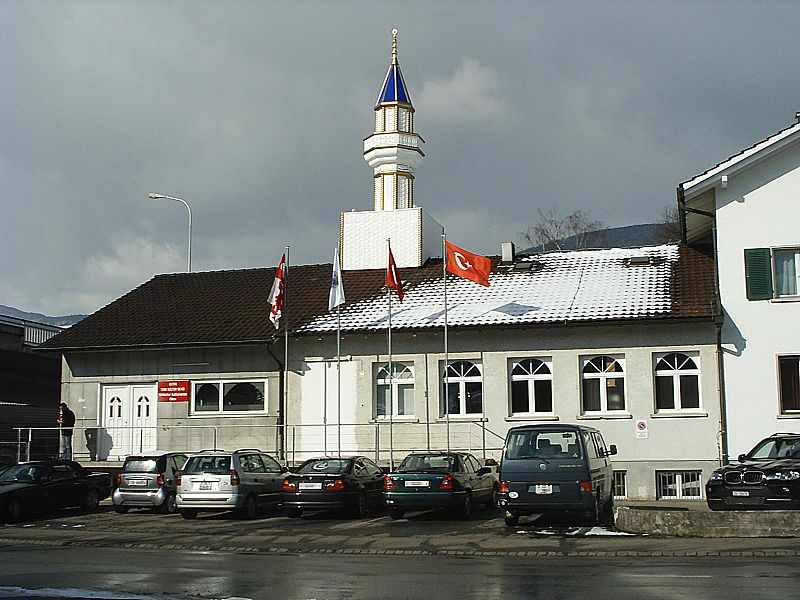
<point>219,307</point>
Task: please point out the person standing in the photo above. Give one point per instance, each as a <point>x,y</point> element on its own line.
<point>66,421</point>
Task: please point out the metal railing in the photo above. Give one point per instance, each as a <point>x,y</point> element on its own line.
<point>384,441</point>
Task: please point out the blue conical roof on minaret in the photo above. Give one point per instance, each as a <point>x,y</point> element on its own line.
<point>394,86</point>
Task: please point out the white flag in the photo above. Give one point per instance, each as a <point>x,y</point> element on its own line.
<point>336,295</point>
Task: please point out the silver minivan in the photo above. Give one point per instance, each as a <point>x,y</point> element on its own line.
<point>148,481</point>
<point>244,481</point>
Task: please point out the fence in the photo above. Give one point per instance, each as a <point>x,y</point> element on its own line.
<point>386,442</point>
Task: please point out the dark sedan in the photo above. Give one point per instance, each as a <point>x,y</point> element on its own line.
<point>766,477</point>
<point>354,483</point>
<point>42,487</point>
<point>454,481</point>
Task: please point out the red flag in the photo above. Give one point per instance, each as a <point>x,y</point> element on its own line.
<point>277,294</point>
<point>468,265</point>
<point>393,277</point>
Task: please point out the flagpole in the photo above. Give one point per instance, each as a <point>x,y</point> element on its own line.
<point>339,379</point>
<point>285,399</point>
<point>446,357</point>
<point>391,376</point>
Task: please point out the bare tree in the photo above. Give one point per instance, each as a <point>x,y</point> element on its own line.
<point>671,225</point>
<point>557,232</point>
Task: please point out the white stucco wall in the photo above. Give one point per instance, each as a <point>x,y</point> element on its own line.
<point>760,208</point>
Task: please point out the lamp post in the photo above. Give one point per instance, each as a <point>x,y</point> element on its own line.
<point>153,196</point>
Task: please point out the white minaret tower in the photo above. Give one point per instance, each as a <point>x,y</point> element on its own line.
<point>393,151</point>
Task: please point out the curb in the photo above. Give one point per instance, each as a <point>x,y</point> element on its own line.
<point>702,524</point>
<point>538,554</point>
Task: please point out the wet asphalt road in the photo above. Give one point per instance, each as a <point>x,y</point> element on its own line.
<point>321,577</point>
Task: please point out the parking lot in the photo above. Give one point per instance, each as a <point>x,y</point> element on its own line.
<point>420,533</point>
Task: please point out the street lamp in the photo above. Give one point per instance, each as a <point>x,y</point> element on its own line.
<point>153,196</point>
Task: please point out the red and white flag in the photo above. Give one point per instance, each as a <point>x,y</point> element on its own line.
<point>467,264</point>
<point>278,293</point>
<point>393,277</point>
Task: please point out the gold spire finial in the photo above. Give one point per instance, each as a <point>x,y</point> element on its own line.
<point>394,46</point>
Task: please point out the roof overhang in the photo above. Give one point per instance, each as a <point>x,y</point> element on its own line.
<point>711,178</point>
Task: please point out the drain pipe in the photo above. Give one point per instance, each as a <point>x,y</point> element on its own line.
<point>281,408</point>
<point>719,320</point>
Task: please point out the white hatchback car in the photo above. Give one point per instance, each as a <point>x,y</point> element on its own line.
<point>244,481</point>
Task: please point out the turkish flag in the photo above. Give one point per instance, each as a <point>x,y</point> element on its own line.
<point>393,277</point>
<point>468,265</point>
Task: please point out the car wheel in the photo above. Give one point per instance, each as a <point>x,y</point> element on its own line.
<point>493,498</point>
<point>511,520</point>
<point>294,513</point>
<point>466,507</point>
<point>121,509</point>
<point>607,514</point>
<point>91,501</point>
<point>395,514</point>
<point>14,511</point>
<point>169,506</point>
<point>592,516</point>
<point>189,514</point>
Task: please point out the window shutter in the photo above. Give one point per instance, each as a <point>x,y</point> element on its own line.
<point>758,273</point>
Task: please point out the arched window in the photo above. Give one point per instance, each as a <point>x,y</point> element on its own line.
<point>531,387</point>
<point>603,384</point>
<point>397,384</point>
<point>677,382</point>
<point>143,407</point>
<point>462,392</point>
<point>115,403</point>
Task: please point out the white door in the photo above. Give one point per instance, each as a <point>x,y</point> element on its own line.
<point>143,418</point>
<point>114,440</point>
<point>129,421</point>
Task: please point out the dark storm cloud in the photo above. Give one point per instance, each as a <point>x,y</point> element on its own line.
<point>255,113</point>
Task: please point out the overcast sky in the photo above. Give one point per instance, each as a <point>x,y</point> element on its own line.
<point>255,112</point>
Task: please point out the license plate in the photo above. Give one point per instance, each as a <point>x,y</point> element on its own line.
<point>205,486</point>
<point>740,493</point>
<point>133,482</point>
<point>541,489</point>
<point>418,483</point>
<point>310,486</point>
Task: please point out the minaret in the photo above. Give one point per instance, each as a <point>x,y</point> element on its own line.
<point>393,150</point>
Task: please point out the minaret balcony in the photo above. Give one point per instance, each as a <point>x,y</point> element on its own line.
<point>399,148</point>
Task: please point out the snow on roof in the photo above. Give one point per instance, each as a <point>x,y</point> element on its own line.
<point>773,142</point>
<point>584,285</point>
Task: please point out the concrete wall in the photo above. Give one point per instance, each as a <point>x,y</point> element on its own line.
<point>688,441</point>
<point>758,209</point>
<point>85,374</point>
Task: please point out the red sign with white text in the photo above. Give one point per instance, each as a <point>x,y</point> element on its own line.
<point>173,391</point>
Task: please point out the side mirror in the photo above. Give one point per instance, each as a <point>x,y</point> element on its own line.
<point>490,462</point>
<point>483,471</point>
<point>612,450</point>
<point>742,457</point>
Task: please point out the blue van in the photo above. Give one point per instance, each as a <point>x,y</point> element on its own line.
<point>556,468</point>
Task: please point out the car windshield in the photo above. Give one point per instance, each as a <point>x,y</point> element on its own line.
<point>141,465</point>
<point>215,465</point>
<point>440,463</point>
<point>23,473</point>
<point>328,465</point>
<point>548,445</point>
<point>776,448</point>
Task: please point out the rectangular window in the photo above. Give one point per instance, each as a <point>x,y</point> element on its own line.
<point>395,388</point>
<point>620,489</point>
<point>789,374</point>
<point>543,390</point>
<point>786,264</point>
<point>591,395</point>
<point>519,397</point>
<point>678,485</point>
<point>229,397</point>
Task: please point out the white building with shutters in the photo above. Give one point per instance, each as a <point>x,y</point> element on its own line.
<point>746,210</point>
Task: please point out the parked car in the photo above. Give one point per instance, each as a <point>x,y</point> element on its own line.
<point>766,477</point>
<point>555,468</point>
<point>354,483</point>
<point>446,480</point>
<point>42,487</point>
<point>149,481</point>
<point>244,481</point>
